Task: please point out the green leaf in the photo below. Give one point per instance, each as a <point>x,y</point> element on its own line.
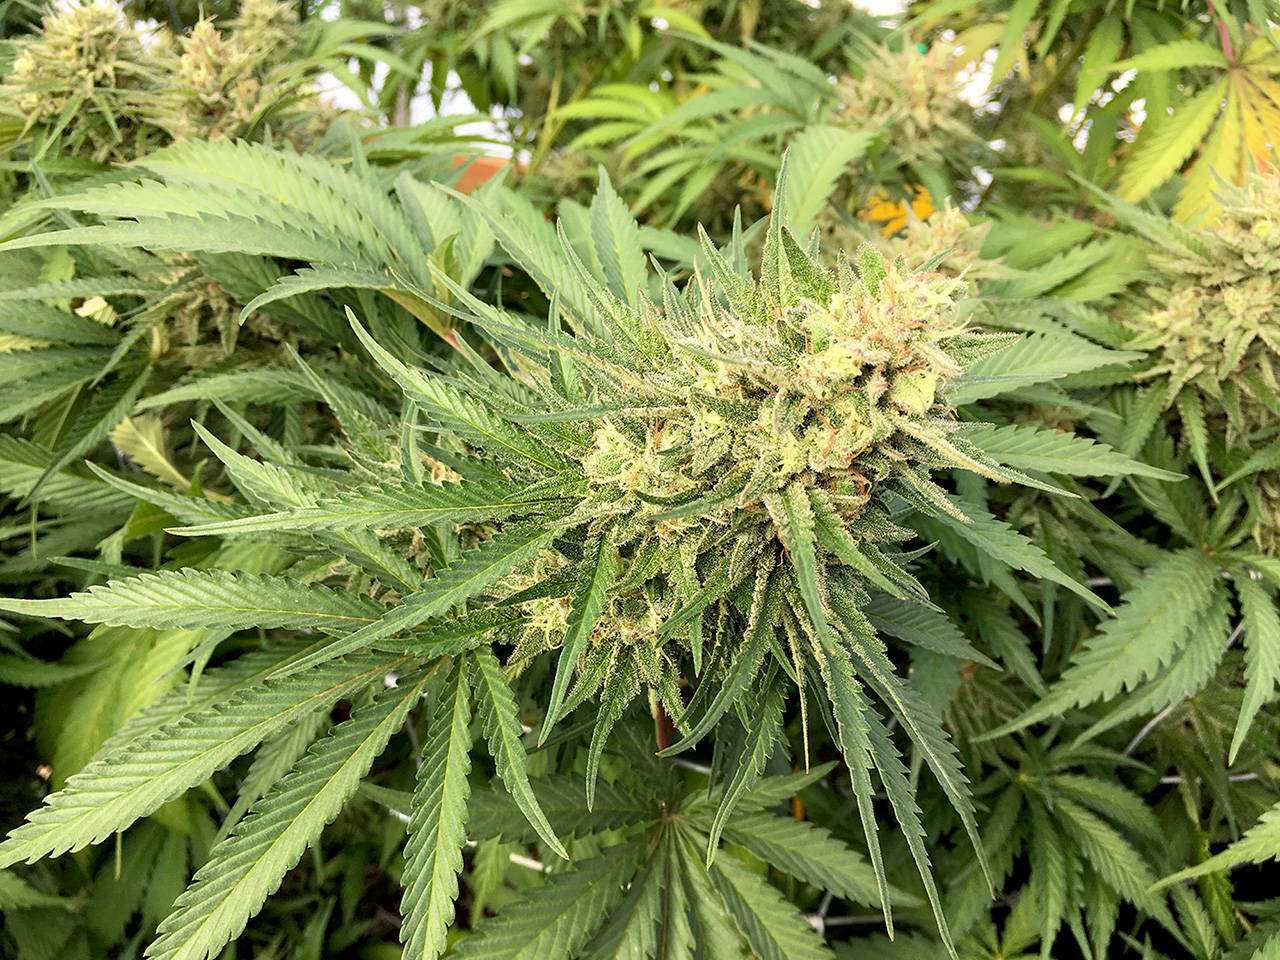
<point>437,825</point>
<point>1176,55</point>
<point>1260,843</point>
<point>616,241</point>
<point>818,158</point>
<point>772,925</point>
<point>557,918</point>
<point>103,414</point>
<point>922,626</point>
<point>1262,654</point>
<point>1000,541</point>
<point>810,853</point>
<point>1168,146</point>
<point>1147,629</point>
<point>589,599</point>
<point>502,730</point>
<point>1050,451</point>
<point>459,413</point>
<point>247,866</point>
<point>1124,869</point>
<point>1036,358</point>
<point>159,756</point>
<point>793,517</point>
<point>851,713</point>
<point>1020,15</point>
<point>387,505</point>
<point>762,623</point>
<point>761,737</point>
<point>210,599</point>
<point>633,929</point>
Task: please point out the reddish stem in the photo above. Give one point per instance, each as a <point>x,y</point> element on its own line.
<point>662,728</point>
<point>1223,35</point>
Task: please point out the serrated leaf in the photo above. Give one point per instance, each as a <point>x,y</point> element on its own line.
<point>556,919</point>
<point>1148,627</point>
<point>590,596</point>
<point>758,746</point>
<point>616,241</point>
<point>1050,451</point>
<point>387,505</point>
<point>159,757</point>
<point>502,730</point>
<point>212,599</point>
<point>244,869</point>
<point>772,925</point>
<point>1262,654</point>
<point>1036,358</point>
<point>437,834</point>
<point>472,573</point>
<point>1260,843</point>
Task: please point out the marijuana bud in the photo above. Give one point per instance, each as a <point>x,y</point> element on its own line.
<point>1211,324</point>
<point>914,100</point>
<point>740,417</point>
<point>87,67</point>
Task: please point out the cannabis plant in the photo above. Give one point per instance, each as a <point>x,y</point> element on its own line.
<point>692,494</point>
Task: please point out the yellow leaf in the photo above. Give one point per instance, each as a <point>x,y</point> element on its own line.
<point>142,440</point>
<point>1260,119</point>
<point>1163,153</point>
<point>1221,156</point>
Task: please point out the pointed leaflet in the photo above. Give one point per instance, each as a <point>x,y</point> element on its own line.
<point>616,240</point>
<point>771,263</point>
<point>1262,653</point>
<point>388,505</point>
<point>793,517</point>
<point>433,854</point>
<point>620,687</point>
<point>922,626</point>
<point>1149,626</point>
<point>589,599</point>
<point>1000,541</point>
<point>714,930</point>
<point>103,414</point>
<point>762,736</point>
<point>1034,358</point>
<point>131,778</point>
<point>1168,145</point>
<point>1051,451</point>
<point>632,930</point>
<point>1260,843</point>
<point>471,420</point>
<point>817,158</point>
<point>1116,860</point>
<point>766,608</point>
<point>810,853</point>
<point>772,925</point>
<point>195,599</point>
<point>502,730</point>
<point>901,794</point>
<point>833,537</point>
<point>476,570</point>
<point>557,918</point>
<point>247,866</point>
<point>850,709</point>
<point>918,717</point>
<point>271,762</point>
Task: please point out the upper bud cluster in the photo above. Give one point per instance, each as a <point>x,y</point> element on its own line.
<point>1215,325</point>
<point>837,386</point>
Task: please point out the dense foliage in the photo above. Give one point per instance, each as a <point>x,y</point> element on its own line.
<point>821,499</point>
